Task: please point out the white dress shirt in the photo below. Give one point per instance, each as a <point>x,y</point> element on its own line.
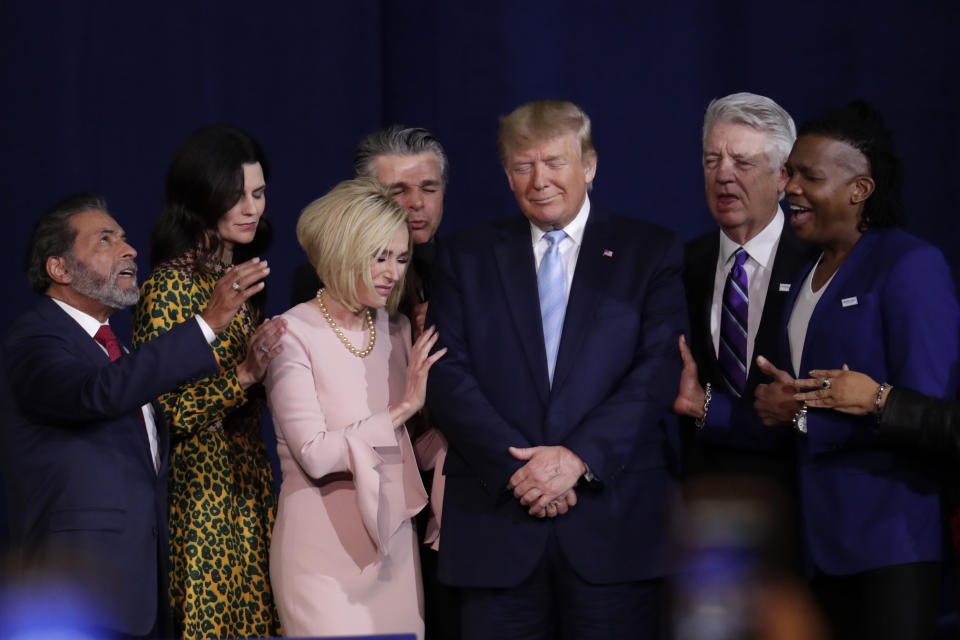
<point>91,325</point>
<point>569,246</point>
<point>761,249</point>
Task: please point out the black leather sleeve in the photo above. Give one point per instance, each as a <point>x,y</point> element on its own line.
<point>928,424</point>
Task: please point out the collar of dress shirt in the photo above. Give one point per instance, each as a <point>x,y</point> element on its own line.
<point>90,324</point>
<point>574,230</point>
<point>760,247</point>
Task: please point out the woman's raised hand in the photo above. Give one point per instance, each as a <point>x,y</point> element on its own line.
<point>417,370</point>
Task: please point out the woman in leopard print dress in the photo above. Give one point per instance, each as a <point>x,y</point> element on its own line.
<point>222,500</point>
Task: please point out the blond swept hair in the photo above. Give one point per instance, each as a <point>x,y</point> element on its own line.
<point>542,120</point>
<point>346,229</point>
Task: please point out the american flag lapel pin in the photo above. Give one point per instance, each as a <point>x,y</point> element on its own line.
<point>608,253</point>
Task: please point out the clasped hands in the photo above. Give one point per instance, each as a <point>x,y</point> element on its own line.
<point>545,483</point>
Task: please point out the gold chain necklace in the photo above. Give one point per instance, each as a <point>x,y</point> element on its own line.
<point>346,342</point>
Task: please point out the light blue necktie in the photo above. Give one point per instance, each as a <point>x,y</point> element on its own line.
<point>552,283</point>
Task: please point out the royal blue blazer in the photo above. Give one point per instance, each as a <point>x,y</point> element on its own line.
<point>891,312</point>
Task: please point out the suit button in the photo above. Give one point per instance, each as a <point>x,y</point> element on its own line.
<point>156,532</point>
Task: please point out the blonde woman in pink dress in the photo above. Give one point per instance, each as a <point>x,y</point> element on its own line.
<point>343,558</point>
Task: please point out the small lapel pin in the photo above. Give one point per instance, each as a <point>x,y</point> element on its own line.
<point>785,286</point>
<point>607,253</point>
<point>849,302</point>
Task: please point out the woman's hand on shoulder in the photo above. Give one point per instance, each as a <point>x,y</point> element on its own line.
<point>263,346</point>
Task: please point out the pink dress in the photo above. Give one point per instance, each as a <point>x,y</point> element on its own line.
<point>344,558</point>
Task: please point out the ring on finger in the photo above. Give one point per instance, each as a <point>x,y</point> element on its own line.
<point>236,286</point>
<point>825,383</point>
<point>264,348</point>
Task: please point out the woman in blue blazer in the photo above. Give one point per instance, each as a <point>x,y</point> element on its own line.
<point>881,301</point>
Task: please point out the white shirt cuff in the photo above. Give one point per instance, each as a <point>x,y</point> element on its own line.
<point>207,331</point>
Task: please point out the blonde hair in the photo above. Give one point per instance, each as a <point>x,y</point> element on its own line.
<point>542,120</point>
<point>344,230</point>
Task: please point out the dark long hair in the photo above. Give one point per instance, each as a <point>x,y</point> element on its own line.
<point>862,127</point>
<point>204,181</point>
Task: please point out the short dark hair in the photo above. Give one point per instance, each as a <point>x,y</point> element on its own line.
<point>396,140</point>
<point>204,181</point>
<point>53,235</point>
<point>861,126</point>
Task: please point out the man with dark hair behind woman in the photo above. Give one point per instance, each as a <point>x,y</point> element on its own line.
<point>412,163</point>
<point>222,500</point>
<point>881,301</point>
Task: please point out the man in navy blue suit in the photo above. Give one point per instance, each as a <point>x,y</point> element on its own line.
<point>554,395</point>
<point>84,450</point>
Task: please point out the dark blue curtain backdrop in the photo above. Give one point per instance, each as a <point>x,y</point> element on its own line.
<point>97,94</point>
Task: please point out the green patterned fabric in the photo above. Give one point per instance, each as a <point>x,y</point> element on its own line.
<point>222,503</point>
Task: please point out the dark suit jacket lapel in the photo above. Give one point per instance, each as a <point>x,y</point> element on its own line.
<point>589,279</point>
<point>518,277</point>
<point>71,331</point>
<point>701,268</point>
<point>91,351</point>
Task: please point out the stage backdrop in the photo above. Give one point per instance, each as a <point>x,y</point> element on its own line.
<point>97,94</point>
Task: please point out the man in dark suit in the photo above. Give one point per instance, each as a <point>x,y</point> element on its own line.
<point>84,451</point>
<point>554,395</point>
<point>746,141</point>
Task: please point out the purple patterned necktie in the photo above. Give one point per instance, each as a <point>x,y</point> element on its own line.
<point>732,353</point>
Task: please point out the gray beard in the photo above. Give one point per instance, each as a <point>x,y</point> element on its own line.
<point>96,287</point>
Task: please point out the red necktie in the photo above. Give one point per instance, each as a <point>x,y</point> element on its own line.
<point>108,340</point>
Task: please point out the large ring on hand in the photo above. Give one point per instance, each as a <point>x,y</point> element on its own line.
<point>264,349</point>
<point>825,383</point>
<point>236,286</point>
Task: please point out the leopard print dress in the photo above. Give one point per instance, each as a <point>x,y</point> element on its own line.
<point>222,500</point>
